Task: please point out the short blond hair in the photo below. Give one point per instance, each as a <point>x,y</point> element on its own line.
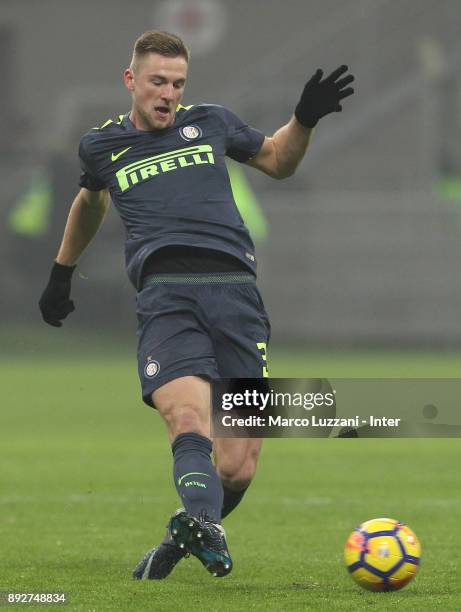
<point>163,43</point>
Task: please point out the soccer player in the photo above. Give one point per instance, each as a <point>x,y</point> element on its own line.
<point>192,262</point>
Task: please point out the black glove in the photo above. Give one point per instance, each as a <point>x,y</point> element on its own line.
<point>320,98</point>
<point>55,304</point>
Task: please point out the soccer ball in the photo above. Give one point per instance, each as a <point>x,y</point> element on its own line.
<point>382,555</point>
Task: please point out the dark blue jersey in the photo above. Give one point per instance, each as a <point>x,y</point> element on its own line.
<point>171,186</point>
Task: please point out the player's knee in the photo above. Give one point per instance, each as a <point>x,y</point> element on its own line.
<point>190,420</point>
<point>186,418</point>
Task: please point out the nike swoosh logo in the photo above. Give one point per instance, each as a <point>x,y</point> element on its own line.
<point>180,479</point>
<point>115,156</point>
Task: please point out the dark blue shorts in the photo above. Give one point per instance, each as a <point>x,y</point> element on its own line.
<point>210,324</point>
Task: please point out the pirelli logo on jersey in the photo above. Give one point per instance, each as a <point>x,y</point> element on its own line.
<point>146,169</point>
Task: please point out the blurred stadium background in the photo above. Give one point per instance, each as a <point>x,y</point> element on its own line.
<point>359,249</point>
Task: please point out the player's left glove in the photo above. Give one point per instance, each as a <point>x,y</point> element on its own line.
<point>54,303</point>
<point>322,97</point>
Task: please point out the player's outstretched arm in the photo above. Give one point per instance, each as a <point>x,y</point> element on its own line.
<point>85,217</point>
<point>280,155</point>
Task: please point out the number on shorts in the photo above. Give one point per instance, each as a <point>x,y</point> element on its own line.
<point>262,346</point>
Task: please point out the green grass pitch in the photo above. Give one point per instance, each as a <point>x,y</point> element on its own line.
<point>85,490</point>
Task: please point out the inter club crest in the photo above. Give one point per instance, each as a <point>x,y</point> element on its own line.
<point>190,132</point>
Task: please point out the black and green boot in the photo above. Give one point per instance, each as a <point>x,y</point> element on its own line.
<point>203,538</point>
<point>160,561</point>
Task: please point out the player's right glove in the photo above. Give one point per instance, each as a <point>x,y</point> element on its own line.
<point>320,98</point>
<point>55,303</point>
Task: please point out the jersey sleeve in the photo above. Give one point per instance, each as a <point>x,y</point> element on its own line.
<point>243,141</point>
<point>88,176</point>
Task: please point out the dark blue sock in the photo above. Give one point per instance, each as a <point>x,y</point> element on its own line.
<point>231,500</point>
<point>195,477</point>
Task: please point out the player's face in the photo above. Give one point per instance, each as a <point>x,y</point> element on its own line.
<point>157,87</point>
